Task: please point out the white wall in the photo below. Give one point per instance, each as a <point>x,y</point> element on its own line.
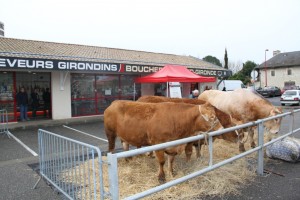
<point>280,77</point>
<point>61,96</point>
<point>186,88</point>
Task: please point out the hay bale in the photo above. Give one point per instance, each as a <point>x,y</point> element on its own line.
<point>140,173</point>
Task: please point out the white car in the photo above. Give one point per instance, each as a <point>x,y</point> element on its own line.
<point>290,97</point>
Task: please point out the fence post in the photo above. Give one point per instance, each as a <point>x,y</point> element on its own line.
<point>260,159</point>
<point>4,122</point>
<point>291,121</point>
<point>210,147</point>
<point>113,176</point>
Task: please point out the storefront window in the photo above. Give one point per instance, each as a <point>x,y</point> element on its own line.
<point>7,94</point>
<point>92,94</point>
<point>107,87</point>
<point>127,91</point>
<point>83,95</point>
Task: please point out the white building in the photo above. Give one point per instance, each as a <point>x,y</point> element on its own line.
<point>282,70</point>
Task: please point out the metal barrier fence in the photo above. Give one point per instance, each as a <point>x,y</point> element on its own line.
<point>72,167</point>
<point>75,168</point>
<point>112,159</point>
<point>3,122</point>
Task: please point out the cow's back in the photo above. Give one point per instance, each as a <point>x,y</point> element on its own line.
<point>240,104</point>
<point>159,99</point>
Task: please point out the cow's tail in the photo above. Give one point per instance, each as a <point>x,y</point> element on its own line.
<point>111,136</point>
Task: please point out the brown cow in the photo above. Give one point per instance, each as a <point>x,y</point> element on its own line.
<point>225,119</point>
<point>145,124</point>
<point>245,106</point>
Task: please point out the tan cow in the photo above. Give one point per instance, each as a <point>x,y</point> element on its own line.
<point>245,106</point>
<point>145,124</point>
<point>225,119</point>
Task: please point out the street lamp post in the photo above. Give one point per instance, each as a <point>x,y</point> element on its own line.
<point>266,78</point>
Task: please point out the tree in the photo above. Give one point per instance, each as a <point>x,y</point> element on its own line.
<point>213,60</point>
<point>226,59</point>
<point>245,73</point>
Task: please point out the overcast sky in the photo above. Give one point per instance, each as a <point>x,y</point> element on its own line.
<point>183,27</point>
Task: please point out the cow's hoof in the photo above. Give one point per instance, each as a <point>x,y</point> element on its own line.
<point>242,150</point>
<point>188,158</point>
<point>253,146</point>
<point>128,159</point>
<point>173,173</point>
<point>161,180</point>
<point>150,154</point>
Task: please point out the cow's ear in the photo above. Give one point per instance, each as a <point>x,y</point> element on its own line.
<point>272,112</point>
<point>275,111</point>
<point>278,110</point>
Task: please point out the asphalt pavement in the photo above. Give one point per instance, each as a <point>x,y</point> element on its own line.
<point>18,166</point>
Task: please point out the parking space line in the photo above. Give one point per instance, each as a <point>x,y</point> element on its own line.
<point>85,133</point>
<point>21,143</point>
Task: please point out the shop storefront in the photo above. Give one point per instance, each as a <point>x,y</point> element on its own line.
<point>11,82</point>
<point>83,86</point>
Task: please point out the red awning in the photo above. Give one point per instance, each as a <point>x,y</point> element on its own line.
<point>174,73</point>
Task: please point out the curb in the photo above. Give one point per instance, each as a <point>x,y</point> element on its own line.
<point>53,122</point>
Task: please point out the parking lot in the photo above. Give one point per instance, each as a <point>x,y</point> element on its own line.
<point>17,164</point>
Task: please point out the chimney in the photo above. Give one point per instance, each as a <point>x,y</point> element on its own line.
<point>1,29</point>
<point>276,52</point>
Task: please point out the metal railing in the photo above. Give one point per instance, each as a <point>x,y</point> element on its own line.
<point>74,168</point>
<point>4,122</point>
<point>112,159</point>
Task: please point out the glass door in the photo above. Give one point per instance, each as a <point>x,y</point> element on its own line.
<point>7,94</point>
<point>37,83</point>
<point>107,90</point>
<point>83,94</point>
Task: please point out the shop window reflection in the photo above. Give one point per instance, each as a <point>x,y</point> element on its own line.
<point>107,88</point>
<point>82,92</point>
<point>127,88</point>
<point>92,94</point>
<point>7,94</point>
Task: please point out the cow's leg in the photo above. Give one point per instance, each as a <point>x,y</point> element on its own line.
<point>241,143</point>
<point>189,150</point>
<point>161,160</point>
<point>125,145</point>
<point>251,140</point>
<point>150,154</point>
<point>171,158</point>
<point>125,148</point>
<point>111,136</point>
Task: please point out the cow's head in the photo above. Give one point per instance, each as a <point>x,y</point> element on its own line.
<point>227,121</point>
<point>273,125</point>
<point>209,121</point>
<point>232,136</point>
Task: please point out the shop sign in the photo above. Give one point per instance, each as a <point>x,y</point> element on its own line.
<point>175,90</point>
<point>141,68</point>
<point>45,64</point>
<point>151,69</point>
<point>211,72</point>
<point>70,65</point>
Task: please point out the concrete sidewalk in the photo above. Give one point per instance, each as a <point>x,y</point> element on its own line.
<point>17,180</point>
<point>50,122</point>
